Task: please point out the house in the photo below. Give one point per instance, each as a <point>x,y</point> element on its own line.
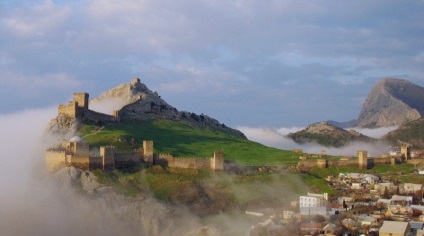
<point>313,200</point>
<point>395,228</point>
<point>331,229</point>
<point>366,220</point>
<point>415,226</point>
<point>311,211</point>
<point>310,228</point>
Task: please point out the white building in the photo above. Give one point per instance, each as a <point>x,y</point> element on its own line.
<point>313,200</point>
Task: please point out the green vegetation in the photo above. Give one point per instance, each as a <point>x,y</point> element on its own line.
<point>177,185</point>
<point>328,140</point>
<point>412,132</point>
<point>182,140</point>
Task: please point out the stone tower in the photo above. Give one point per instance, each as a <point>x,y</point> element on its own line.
<point>363,159</point>
<point>108,157</point>
<point>82,100</point>
<point>405,151</point>
<point>148,151</point>
<point>217,161</point>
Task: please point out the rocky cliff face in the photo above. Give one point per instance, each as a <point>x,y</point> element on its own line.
<point>106,212</point>
<point>328,135</point>
<point>392,102</point>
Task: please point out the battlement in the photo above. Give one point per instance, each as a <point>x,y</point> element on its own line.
<point>77,107</point>
<point>76,153</point>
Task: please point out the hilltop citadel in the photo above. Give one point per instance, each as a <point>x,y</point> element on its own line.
<point>78,153</point>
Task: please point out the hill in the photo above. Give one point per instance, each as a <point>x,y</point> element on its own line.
<point>392,102</point>
<point>144,115</point>
<point>411,132</point>
<point>328,135</point>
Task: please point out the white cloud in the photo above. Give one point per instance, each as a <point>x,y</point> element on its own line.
<point>277,138</point>
<point>38,20</point>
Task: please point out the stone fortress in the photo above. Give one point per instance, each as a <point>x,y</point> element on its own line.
<point>362,161</point>
<point>78,153</point>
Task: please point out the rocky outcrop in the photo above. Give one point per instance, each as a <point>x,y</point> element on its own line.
<point>328,135</point>
<point>140,103</point>
<point>392,102</point>
<point>106,212</point>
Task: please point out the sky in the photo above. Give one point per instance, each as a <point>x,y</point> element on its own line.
<point>251,63</point>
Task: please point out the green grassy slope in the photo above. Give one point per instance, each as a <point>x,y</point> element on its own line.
<point>412,132</point>
<point>182,140</point>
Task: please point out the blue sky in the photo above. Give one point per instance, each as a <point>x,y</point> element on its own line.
<point>247,63</point>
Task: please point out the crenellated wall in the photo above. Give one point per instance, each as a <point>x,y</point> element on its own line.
<point>76,153</point>
<point>212,163</point>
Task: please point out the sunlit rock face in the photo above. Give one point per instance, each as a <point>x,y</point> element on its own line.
<point>392,102</point>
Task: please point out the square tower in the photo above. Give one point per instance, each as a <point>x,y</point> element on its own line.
<point>148,151</point>
<point>363,159</point>
<point>217,161</point>
<point>405,151</point>
<point>82,100</point>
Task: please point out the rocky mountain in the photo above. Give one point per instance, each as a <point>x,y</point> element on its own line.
<point>392,102</point>
<point>328,135</point>
<point>134,101</point>
<point>411,132</point>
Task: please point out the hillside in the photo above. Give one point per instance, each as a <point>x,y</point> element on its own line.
<point>411,132</point>
<point>183,140</point>
<point>392,102</point>
<point>144,115</point>
<point>328,135</point>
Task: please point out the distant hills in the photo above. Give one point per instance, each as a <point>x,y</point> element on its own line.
<point>391,102</point>
<point>411,132</point>
<point>328,135</point>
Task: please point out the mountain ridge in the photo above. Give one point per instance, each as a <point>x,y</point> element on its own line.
<point>391,102</point>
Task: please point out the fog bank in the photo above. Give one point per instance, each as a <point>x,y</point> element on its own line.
<point>278,138</point>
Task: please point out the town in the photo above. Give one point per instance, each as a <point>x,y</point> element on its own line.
<point>363,203</point>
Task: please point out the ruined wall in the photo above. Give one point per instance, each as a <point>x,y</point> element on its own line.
<point>125,159</point>
<point>182,162</point>
<point>96,162</point>
<point>55,159</point>
<point>81,161</point>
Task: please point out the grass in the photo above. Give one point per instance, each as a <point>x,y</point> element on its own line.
<point>182,140</point>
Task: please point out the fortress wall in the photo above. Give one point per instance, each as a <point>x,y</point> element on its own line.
<point>187,162</point>
<point>55,160</point>
<point>194,163</point>
<point>96,162</point>
<point>124,159</point>
<point>81,161</point>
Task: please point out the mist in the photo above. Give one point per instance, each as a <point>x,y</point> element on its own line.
<point>278,138</point>
<point>108,105</point>
<point>33,202</point>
